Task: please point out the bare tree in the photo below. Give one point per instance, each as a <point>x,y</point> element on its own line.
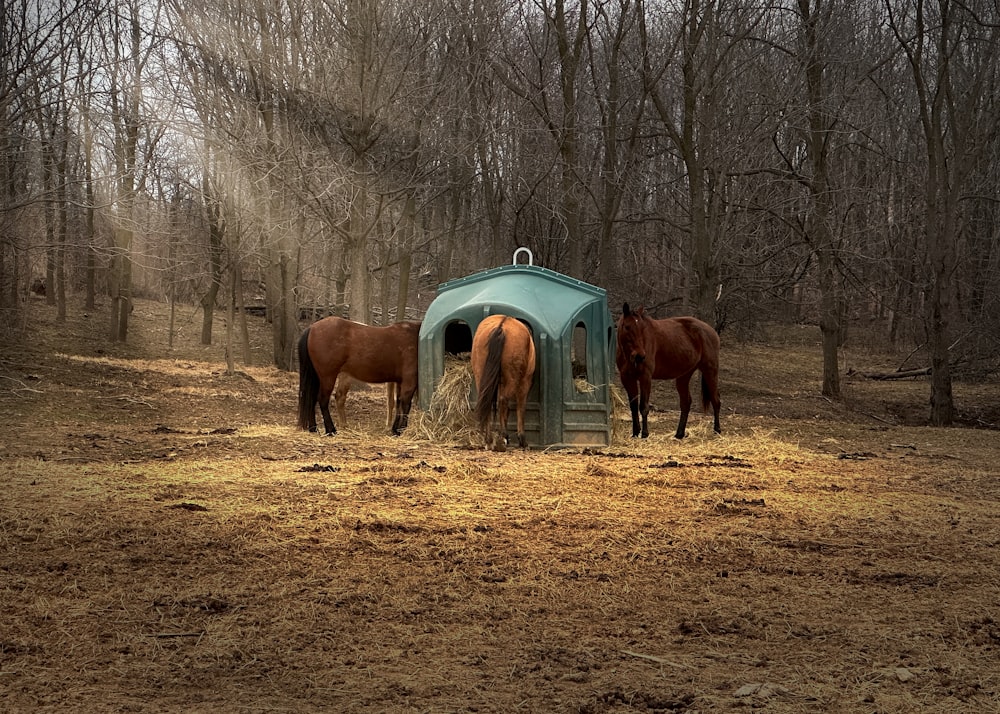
<point>620,95</point>
<point>34,36</point>
<point>816,20</point>
<point>952,53</point>
<point>128,47</point>
<point>692,111</point>
<point>556,34</point>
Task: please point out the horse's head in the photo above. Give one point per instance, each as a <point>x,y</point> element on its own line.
<point>632,336</point>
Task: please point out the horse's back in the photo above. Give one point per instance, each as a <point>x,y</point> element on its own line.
<point>519,349</point>
<point>684,344</point>
<point>518,352</point>
<point>699,331</point>
<point>367,353</point>
<point>489,330</point>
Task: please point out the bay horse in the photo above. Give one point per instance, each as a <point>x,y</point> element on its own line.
<point>333,345</point>
<point>503,365</point>
<point>673,348</point>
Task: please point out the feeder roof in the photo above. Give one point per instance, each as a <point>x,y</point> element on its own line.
<point>548,299</point>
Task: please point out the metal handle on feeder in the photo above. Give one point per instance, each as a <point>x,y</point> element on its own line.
<point>531,258</point>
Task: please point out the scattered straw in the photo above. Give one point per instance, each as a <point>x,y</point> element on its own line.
<point>755,569</point>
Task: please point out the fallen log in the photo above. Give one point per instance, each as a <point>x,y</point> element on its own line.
<point>898,374</point>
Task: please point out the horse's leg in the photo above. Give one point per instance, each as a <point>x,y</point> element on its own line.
<point>634,403</point>
<point>522,439</point>
<point>710,395</point>
<point>391,404</point>
<point>326,387</point>
<point>340,396</point>
<point>503,411</point>
<point>632,391</point>
<point>404,400</point>
<point>645,391</point>
<point>684,392</point>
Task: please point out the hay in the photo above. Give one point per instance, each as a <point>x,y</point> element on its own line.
<point>449,416</point>
<point>621,425</point>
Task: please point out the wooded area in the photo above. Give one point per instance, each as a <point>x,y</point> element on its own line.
<point>815,161</point>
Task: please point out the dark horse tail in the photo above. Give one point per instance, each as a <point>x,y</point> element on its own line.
<point>489,386</point>
<point>706,394</point>
<point>308,383</point>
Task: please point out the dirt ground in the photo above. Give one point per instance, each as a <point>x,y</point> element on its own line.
<point>169,541</point>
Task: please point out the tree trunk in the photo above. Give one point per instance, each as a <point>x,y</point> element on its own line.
<point>91,233</point>
<point>402,295</point>
<point>237,274</point>
<point>385,286</point>
<point>359,280</point>
<point>570,44</point>
<point>282,309</point>
<point>216,236</point>
<point>126,102</point>
<point>230,320</point>
<point>941,241</point>
<point>820,232</point>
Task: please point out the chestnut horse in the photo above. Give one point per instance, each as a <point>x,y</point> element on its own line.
<point>503,365</point>
<point>333,345</point>
<point>673,348</point>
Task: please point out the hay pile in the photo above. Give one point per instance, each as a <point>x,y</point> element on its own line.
<point>449,417</point>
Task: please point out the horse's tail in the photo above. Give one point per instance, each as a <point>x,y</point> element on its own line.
<point>308,383</point>
<point>489,386</point>
<point>706,393</point>
<point>709,368</point>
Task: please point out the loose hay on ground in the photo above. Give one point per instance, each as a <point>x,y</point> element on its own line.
<point>653,575</point>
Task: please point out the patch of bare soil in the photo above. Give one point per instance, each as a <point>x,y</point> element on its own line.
<point>169,541</point>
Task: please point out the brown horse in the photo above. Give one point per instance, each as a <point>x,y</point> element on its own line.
<point>332,346</point>
<point>673,348</point>
<point>503,365</point>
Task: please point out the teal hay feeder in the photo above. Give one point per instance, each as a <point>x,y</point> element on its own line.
<point>569,403</point>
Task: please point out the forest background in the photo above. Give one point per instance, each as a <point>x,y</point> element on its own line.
<point>818,161</point>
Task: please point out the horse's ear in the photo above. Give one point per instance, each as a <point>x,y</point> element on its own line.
<point>640,312</point>
<point>625,310</point>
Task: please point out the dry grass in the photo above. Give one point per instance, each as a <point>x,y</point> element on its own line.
<point>170,542</point>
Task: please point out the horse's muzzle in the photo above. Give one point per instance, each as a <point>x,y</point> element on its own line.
<point>638,359</point>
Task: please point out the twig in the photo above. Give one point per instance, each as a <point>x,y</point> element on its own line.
<point>877,418</point>
<point>177,634</point>
<point>654,658</point>
<point>907,359</point>
<point>954,344</point>
<point>126,398</point>
<point>922,372</point>
<point>23,388</point>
